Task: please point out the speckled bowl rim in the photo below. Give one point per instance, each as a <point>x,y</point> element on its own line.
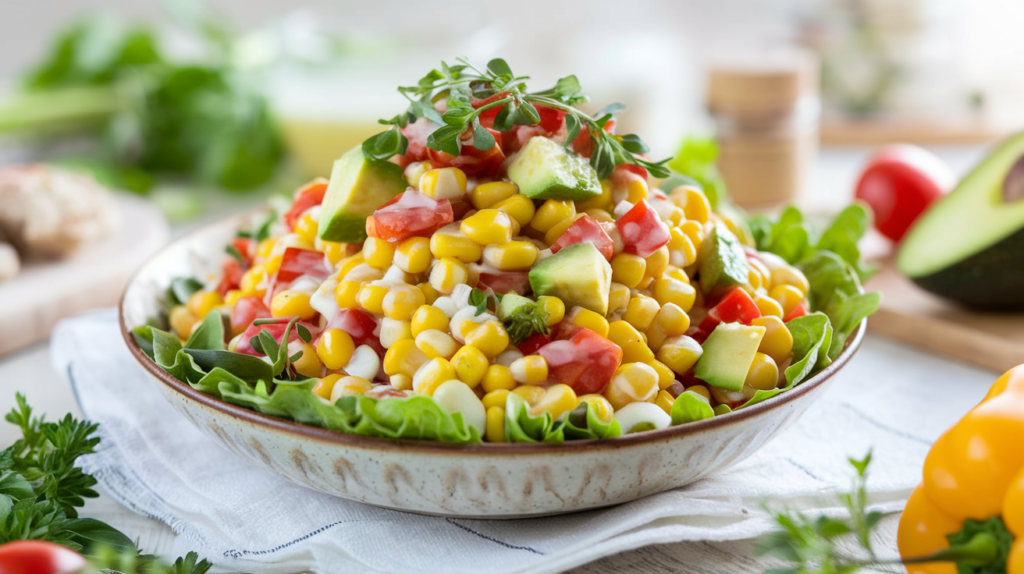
<point>490,449</point>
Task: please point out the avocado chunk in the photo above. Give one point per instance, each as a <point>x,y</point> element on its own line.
<point>358,187</point>
<point>728,353</point>
<point>544,169</point>
<point>723,262</point>
<point>578,275</point>
<point>969,246</point>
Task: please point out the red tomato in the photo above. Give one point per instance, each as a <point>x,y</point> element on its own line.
<point>359,325</point>
<point>502,282</point>
<point>309,196</point>
<point>245,246</point>
<point>625,172</point>
<point>487,116</point>
<point>586,230</point>
<point>409,214</point>
<point>245,311</point>
<point>295,263</point>
<point>736,307</point>
<point>584,144</point>
<point>586,361</point>
<point>38,557</point>
<point>416,133</point>
<point>231,276</point>
<point>531,345</point>
<point>276,330</point>
<point>798,311</point>
<point>471,160</point>
<point>642,231</point>
<point>899,183</point>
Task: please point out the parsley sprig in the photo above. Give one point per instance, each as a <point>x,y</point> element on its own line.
<point>461,84</point>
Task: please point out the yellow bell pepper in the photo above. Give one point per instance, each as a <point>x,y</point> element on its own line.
<point>969,509</point>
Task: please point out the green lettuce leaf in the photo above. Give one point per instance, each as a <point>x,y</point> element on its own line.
<point>583,422</point>
<point>836,291</point>
<point>521,426</point>
<point>209,335</point>
<point>690,407</point>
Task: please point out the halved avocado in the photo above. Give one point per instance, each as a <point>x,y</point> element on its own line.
<point>969,247</point>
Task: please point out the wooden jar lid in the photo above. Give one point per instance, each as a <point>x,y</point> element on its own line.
<point>759,84</point>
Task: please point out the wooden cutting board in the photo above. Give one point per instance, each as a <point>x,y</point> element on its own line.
<point>991,340</point>
<point>43,293</point>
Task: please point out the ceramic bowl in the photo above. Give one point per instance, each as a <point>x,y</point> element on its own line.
<point>480,480</point>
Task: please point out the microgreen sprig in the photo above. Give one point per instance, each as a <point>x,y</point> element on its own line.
<point>459,85</point>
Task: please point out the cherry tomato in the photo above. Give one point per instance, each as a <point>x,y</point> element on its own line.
<point>586,361</point>
<point>38,557</point>
<point>245,311</point>
<point>586,230</point>
<point>307,197</point>
<point>642,231</point>
<point>409,214</point>
<point>276,331</point>
<point>900,183</point>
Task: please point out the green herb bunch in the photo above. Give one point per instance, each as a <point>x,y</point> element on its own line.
<point>462,84</point>
<point>41,491</point>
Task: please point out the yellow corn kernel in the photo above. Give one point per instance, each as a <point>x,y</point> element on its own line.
<point>634,348</point>
<point>498,377</point>
<point>333,250</point>
<point>490,337</point>
<point>325,385</point>
<point>554,307</point>
<point>518,207</point>
<point>636,190</point>
<point>599,405</point>
<point>486,195</point>
<point>349,263</point>
<point>693,202</point>
<point>371,297</point>
<point>428,317</point>
<point>182,320</point>
<point>289,303</point>
<point>378,253</point>
<point>633,382</point>
<point>599,215</point>
<point>618,297</point>
<point>788,297</point>
<point>345,294</point>
<point>496,398</point>
<point>655,336</point>
<point>529,370</point>
<point>694,230</point>
<point>680,354</point>
<point>447,273</point>
<point>431,375</point>
<point>455,245</point>
<point>393,331</point>
<point>754,280</point>
<point>677,274</point>
<point>272,264</point>
<point>668,290</point>
<point>511,256</point>
<point>470,365</point>
<point>552,235</point>
<point>335,348</point>
<point>413,255</point>
<point>665,400</point>
<point>673,319</point>
<point>755,264</point>
<point>767,306</point>
<point>589,319</point>
<point>701,390</point>
<point>264,247</point>
<point>763,374</point>
<point>657,262</point>
<point>530,393</point>
<point>665,375</point>
<point>202,302</point>
<point>640,312</point>
<point>252,283</point>
<point>790,276</point>
<point>306,228</point>
<point>403,358</point>
<point>553,212</point>
<point>350,387</point>
<point>777,341</point>
<point>307,365</point>
<point>488,226</point>
<point>401,382</point>
<point>402,301</point>
<point>495,428</point>
<point>435,343</point>
<point>415,170</point>
<point>628,269</point>
<point>602,202</point>
<point>557,399</point>
<point>443,183</point>
<point>231,297</point>
<point>429,293</point>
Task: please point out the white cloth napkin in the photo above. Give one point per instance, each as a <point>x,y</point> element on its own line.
<point>153,461</point>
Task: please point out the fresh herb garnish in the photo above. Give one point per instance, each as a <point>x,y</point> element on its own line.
<point>526,321</point>
<point>41,491</point>
<point>462,84</point>
<point>234,253</point>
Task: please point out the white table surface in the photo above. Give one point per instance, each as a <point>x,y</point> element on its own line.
<point>830,186</point>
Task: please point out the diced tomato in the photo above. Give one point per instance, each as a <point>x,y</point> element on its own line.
<point>487,116</point>
<point>586,230</point>
<point>799,311</point>
<point>471,160</point>
<point>736,307</point>
<point>276,331</point>
<point>309,196</point>
<point>416,133</point>
<point>642,231</point>
<point>586,362</point>
<point>502,282</point>
<point>409,214</point>
<point>625,172</point>
<point>245,311</point>
<point>231,276</point>
<point>531,345</point>
<point>584,144</point>
<point>700,333</point>
<point>360,325</point>
<point>295,263</point>
<point>245,246</point>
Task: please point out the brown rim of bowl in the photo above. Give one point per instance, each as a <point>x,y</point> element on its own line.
<point>354,440</point>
